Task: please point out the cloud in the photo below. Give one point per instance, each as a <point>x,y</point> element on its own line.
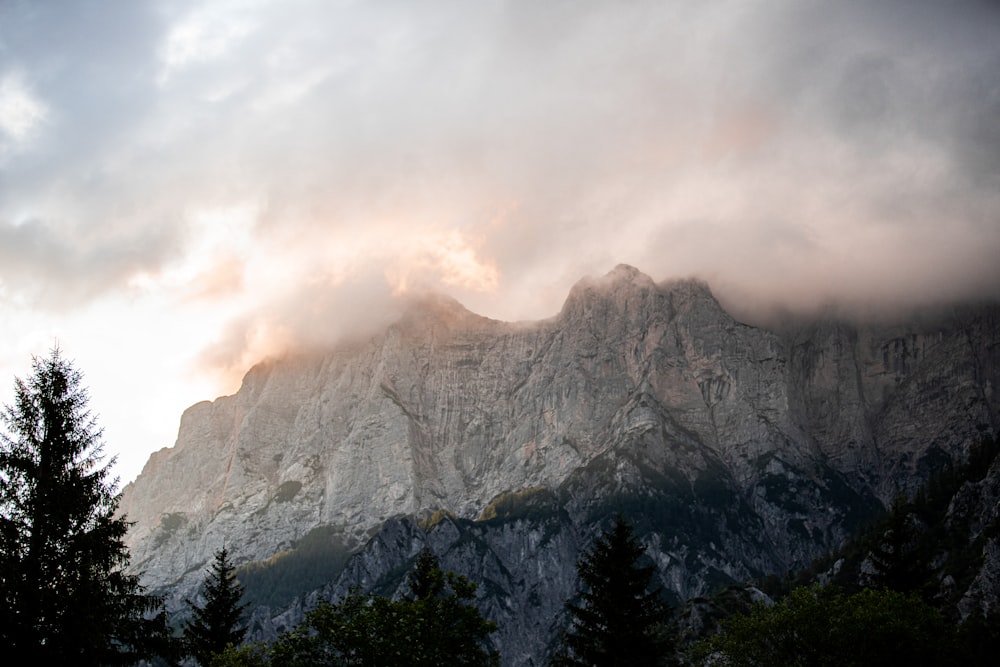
<point>791,151</point>
<point>326,287</point>
<point>222,279</point>
<point>51,268</point>
<point>221,182</point>
<point>312,317</point>
<point>204,33</point>
<point>445,260</point>
<point>21,112</point>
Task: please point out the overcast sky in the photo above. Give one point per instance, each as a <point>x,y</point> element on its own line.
<point>186,187</point>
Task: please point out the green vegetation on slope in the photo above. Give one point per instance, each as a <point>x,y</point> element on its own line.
<point>891,593</point>
<point>313,561</point>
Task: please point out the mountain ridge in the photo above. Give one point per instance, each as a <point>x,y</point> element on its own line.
<point>748,451</point>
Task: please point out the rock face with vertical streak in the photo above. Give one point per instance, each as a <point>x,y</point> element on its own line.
<point>737,450</point>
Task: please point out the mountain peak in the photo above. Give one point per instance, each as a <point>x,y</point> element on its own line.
<point>621,278</point>
<point>624,270</point>
<point>628,286</point>
<point>435,309</point>
<point>626,274</point>
<point>691,287</point>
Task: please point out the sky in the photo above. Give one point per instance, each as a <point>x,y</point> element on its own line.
<point>187,188</point>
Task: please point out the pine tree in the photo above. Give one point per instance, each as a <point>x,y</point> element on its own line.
<point>620,621</point>
<point>426,580</point>
<point>66,595</point>
<point>217,624</point>
<point>448,629</point>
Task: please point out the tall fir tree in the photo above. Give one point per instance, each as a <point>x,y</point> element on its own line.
<point>619,621</point>
<point>66,595</point>
<point>448,628</point>
<point>426,580</point>
<point>218,623</point>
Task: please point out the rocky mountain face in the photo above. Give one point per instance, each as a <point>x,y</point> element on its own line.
<point>737,451</point>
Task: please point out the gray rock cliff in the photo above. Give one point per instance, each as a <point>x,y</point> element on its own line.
<point>738,450</point>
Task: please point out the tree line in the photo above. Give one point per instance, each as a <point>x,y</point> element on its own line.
<point>435,623</point>
<point>617,621</point>
<point>67,596</point>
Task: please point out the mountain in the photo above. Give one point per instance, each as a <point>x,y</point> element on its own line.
<point>737,450</point>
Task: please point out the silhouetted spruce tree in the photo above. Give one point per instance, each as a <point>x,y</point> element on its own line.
<point>218,623</point>
<point>620,621</point>
<point>447,627</point>
<point>66,597</point>
<point>426,580</point>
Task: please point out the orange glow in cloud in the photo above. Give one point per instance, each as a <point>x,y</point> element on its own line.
<point>333,286</point>
<point>262,339</point>
<point>224,278</point>
<point>446,260</point>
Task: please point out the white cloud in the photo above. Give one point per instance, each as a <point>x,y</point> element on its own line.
<point>206,33</point>
<point>22,112</point>
<point>258,174</point>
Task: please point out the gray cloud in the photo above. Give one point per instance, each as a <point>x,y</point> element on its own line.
<point>791,152</point>
<point>222,181</point>
<point>53,269</point>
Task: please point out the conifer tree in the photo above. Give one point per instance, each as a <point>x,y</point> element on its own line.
<point>64,589</point>
<point>620,621</point>
<point>426,580</point>
<point>447,627</point>
<point>216,624</point>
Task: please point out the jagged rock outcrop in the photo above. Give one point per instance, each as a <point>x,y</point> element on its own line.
<point>975,510</point>
<point>740,450</point>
